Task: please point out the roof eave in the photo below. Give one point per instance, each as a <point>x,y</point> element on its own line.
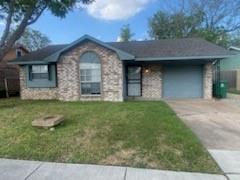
<point>27,62</point>
<point>182,58</point>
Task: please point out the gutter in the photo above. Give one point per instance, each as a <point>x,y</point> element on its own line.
<point>182,58</point>
<point>30,62</point>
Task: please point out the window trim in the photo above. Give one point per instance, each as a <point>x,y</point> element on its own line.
<point>18,50</point>
<point>80,76</point>
<point>39,79</point>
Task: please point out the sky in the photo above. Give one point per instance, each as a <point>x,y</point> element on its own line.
<point>103,20</point>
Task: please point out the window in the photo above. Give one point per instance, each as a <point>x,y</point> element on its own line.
<point>90,74</point>
<point>18,53</point>
<point>134,80</point>
<point>39,72</point>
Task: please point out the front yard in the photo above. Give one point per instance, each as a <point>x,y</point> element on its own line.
<point>138,134</point>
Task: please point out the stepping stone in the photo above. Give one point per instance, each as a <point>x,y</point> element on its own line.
<point>48,121</point>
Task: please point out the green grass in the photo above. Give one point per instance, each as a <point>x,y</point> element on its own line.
<point>138,134</point>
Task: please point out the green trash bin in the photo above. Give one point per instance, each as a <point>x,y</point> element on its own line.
<point>220,89</point>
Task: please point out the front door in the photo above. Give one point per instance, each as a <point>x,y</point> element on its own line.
<point>134,81</point>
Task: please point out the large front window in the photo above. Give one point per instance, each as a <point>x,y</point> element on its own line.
<point>90,74</point>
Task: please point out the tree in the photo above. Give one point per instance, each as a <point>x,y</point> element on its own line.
<point>125,34</point>
<point>18,14</point>
<point>215,20</point>
<point>33,39</point>
<point>178,25</point>
<point>218,13</point>
<point>217,35</point>
<point>235,39</point>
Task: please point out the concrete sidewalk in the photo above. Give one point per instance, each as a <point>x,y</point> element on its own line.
<point>35,170</point>
<point>229,162</point>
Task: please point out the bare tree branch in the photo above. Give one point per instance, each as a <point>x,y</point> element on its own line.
<point>37,16</point>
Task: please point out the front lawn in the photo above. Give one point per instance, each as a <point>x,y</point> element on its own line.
<point>138,134</point>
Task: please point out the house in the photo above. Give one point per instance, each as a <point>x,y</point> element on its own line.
<point>9,71</point>
<point>230,69</point>
<point>231,63</point>
<point>89,69</point>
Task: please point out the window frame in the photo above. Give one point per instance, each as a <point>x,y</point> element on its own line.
<point>90,74</point>
<point>140,80</point>
<point>17,53</point>
<point>32,73</point>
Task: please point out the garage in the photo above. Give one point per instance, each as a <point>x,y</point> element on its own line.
<point>183,81</point>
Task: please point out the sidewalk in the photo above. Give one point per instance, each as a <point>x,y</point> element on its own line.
<point>35,170</point>
<point>228,161</point>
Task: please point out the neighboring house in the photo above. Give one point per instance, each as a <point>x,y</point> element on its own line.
<point>230,69</point>
<point>89,69</point>
<point>232,63</point>
<point>9,71</point>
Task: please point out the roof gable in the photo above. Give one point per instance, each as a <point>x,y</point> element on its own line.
<point>122,55</point>
<point>52,53</point>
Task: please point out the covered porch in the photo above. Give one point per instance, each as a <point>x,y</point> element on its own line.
<point>168,79</point>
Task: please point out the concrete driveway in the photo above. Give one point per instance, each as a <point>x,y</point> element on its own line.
<point>217,124</point>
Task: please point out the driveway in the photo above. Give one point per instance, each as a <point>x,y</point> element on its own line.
<point>217,124</point>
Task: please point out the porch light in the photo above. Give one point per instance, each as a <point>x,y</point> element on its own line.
<point>147,70</point>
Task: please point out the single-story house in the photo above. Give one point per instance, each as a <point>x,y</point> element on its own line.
<point>89,69</point>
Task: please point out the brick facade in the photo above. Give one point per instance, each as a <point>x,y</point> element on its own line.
<point>112,78</point>
<point>207,80</point>
<point>152,82</point>
<point>34,93</point>
<point>69,79</point>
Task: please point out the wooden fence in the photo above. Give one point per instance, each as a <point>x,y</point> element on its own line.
<point>230,77</point>
<point>9,82</point>
<point>9,87</point>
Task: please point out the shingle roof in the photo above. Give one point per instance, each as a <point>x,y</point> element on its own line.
<point>192,48</point>
<point>41,53</point>
<point>187,47</point>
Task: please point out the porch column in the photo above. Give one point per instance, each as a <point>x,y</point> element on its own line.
<point>207,80</point>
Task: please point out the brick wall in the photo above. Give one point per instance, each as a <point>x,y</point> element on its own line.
<point>152,82</point>
<point>112,78</point>
<point>69,80</point>
<point>34,93</point>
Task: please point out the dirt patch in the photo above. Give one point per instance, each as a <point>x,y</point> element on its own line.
<point>129,157</point>
<point>120,157</point>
